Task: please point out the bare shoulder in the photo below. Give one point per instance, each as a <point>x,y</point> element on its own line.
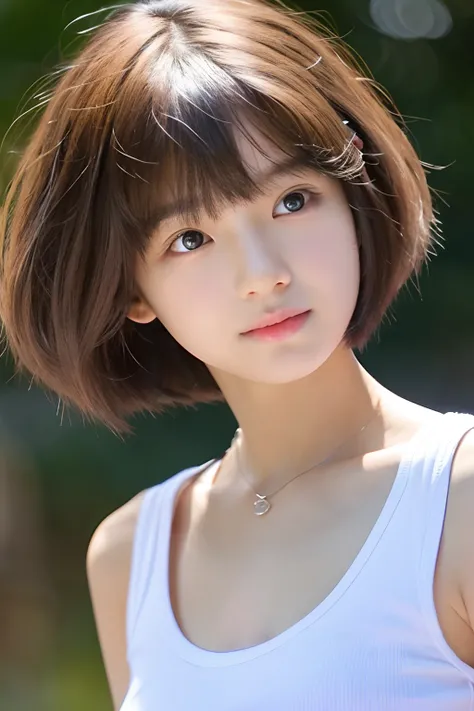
<point>113,537</point>
<point>108,572</point>
<point>460,524</point>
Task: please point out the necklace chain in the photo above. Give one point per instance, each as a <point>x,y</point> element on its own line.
<point>261,504</point>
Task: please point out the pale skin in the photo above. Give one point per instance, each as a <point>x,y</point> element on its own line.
<point>298,401</point>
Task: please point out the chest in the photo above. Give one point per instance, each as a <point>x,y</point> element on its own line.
<point>234,586</point>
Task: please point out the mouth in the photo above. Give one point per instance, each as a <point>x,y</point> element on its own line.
<point>281,329</point>
<point>275,317</point>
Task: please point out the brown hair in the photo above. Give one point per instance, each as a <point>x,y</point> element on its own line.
<point>153,97</point>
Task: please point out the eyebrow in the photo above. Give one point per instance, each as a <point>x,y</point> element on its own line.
<point>181,209</point>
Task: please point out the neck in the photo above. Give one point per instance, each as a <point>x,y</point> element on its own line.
<point>288,428</point>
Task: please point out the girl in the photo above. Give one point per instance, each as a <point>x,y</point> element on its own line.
<point>218,205</point>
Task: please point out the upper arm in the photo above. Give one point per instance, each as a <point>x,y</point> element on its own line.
<point>462,524</point>
<point>108,572</point>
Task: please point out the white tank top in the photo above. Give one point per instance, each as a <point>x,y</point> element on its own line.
<point>373,644</point>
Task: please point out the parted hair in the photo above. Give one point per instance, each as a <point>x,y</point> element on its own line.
<point>151,101</point>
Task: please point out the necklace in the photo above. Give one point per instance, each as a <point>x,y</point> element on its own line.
<point>261,505</point>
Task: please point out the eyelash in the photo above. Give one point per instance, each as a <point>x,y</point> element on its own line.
<point>313,195</point>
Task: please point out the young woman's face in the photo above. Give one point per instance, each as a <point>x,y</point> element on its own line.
<point>293,248</point>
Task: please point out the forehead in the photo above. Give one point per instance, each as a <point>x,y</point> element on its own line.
<point>264,162</point>
<point>258,153</point>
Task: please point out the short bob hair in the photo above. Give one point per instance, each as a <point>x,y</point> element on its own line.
<point>152,100</point>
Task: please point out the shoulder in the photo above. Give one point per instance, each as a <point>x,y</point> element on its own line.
<point>460,526</point>
<point>461,494</point>
<point>113,537</point>
<point>115,532</point>
<point>111,543</point>
<point>108,571</point>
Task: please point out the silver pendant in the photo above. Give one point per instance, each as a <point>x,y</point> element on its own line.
<point>261,505</point>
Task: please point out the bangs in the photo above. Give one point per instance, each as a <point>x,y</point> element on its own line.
<point>175,130</point>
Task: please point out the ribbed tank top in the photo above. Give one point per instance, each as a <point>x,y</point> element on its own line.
<point>373,644</point>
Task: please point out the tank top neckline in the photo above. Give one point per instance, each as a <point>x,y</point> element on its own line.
<point>208,658</point>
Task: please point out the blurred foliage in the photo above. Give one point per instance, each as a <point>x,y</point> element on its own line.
<point>424,351</point>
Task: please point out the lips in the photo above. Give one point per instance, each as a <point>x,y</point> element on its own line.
<point>275,318</point>
<point>280,331</point>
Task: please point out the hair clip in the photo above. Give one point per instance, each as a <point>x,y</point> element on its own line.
<point>356,139</point>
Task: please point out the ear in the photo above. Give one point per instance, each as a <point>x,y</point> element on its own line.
<point>140,311</point>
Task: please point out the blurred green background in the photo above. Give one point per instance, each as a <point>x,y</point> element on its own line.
<point>59,477</point>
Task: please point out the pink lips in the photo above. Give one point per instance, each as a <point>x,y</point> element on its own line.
<point>280,325</point>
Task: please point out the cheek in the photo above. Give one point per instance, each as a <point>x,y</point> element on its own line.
<point>330,260</point>
<point>190,302</point>
<point>181,293</point>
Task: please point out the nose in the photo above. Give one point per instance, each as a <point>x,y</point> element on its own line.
<point>260,266</point>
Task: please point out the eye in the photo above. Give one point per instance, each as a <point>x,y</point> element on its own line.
<point>296,200</point>
<point>190,240</point>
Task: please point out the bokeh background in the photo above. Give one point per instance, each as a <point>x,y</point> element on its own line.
<point>60,477</point>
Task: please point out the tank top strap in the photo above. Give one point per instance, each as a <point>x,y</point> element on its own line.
<point>143,553</point>
<point>437,454</point>
<point>440,450</point>
<point>146,546</point>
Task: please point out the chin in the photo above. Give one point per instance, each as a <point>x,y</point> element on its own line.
<point>282,369</point>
